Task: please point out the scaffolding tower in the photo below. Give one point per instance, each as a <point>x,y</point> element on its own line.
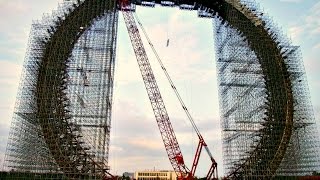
<point>62,117</point>
<point>260,139</point>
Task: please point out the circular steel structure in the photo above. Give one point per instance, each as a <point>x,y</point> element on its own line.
<point>52,74</point>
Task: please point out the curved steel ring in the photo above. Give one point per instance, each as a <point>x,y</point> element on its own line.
<point>52,102</point>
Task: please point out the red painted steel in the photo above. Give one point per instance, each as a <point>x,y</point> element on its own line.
<point>158,106</point>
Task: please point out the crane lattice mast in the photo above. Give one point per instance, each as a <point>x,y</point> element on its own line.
<point>158,106</point>
<point>168,136</point>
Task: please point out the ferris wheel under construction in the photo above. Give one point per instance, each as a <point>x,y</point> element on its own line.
<point>62,119</point>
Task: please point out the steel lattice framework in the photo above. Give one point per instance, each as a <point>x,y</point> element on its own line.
<point>62,118</point>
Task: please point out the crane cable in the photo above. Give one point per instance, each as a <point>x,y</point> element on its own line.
<point>201,140</point>
<point>169,78</point>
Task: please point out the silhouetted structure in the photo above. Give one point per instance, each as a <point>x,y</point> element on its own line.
<point>62,118</point>
<point>267,118</point>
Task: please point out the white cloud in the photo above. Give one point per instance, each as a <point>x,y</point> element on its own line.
<point>296,31</point>
<point>291,1</point>
<point>9,73</point>
<point>11,7</point>
<point>145,143</point>
<point>310,27</point>
<point>316,47</point>
<point>8,91</point>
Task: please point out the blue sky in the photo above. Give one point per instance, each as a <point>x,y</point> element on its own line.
<point>136,143</point>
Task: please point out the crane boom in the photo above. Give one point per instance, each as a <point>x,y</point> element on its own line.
<point>158,106</point>
<point>213,169</point>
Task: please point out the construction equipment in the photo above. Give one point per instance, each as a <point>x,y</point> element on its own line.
<point>168,136</point>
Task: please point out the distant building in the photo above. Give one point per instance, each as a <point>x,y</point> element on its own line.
<point>155,175</point>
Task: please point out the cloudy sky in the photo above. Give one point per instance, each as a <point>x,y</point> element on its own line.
<point>136,143</point>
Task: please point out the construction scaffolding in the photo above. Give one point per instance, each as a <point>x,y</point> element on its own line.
<point>267,119</point>
<point>62,118</point>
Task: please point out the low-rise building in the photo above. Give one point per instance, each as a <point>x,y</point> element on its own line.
<point>155,175</point>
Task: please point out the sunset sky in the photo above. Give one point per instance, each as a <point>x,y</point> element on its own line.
<point>190,59</point>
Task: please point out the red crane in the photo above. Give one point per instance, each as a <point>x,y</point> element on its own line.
<point>167,133</point>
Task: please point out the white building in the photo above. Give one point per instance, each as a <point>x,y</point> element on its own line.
<point>155,175</point>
